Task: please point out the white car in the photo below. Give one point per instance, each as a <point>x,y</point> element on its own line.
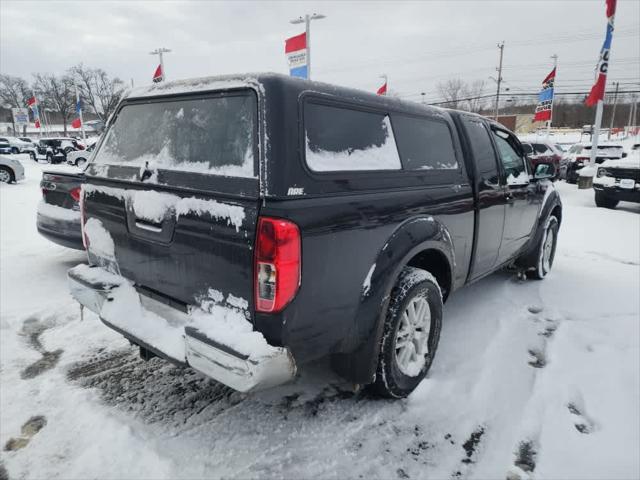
<point>17,145</point>
<point>80,157</point>
<point>11,169</point>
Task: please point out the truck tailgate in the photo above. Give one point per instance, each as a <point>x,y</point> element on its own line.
<point>180,248</point>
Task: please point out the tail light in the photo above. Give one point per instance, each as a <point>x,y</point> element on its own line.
<point>85,239</point>
<point>75,194</point>
<point>277,264</point>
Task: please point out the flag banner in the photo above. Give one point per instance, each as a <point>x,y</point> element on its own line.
<point>37,122</point>
<point>597,91</point>
<point>295,48</point>
<point>78,106</point>
<point>158,76</point>
<point>31,102</point>
<point>383,89</point>
<point>545,99</point>
<point>76,123</point>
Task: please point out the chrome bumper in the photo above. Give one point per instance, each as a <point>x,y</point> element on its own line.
<point>238,370</point>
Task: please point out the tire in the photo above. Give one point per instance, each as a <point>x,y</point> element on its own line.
<point>6,175</point>
<point>49,158</point>
<point>15,150</point>
<point>33,156</point>
<point>605,202</point>
<point>546,251</point>
<point>415,290</point>
<point>80,162</point>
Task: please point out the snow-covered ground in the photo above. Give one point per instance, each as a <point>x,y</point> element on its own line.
<point>531,379</point>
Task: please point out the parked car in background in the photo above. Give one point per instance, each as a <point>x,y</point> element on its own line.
<point>55,149</point>
<point>17,145</point>
<point>11,169</point>
<point>301,221</point>
<point>29,140</point>
<point>80,157</point>
<point>580,154</point>
<point>546,152</point>
<point>5,148</point>
<point>618,180</point>
<point>58,216</point>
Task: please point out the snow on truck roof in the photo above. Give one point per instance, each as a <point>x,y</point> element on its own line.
<point>259,81</point>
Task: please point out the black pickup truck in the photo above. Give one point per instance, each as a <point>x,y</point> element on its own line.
<point>246,225</point>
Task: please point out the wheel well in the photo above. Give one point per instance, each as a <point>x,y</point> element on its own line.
<point>436,263</point>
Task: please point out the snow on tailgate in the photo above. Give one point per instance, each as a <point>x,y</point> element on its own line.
<point>154,206</point>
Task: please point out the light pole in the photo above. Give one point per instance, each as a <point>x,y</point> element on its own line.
<point>159,52</point>
<point>499,80</point>
<point>307,22</point>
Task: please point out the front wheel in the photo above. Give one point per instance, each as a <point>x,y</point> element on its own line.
<point>411,334</point>
<point>546,249</point>
<point>6,175</point>
<point>604,201</point>
<point>33,156</point>
<point>49,158</point>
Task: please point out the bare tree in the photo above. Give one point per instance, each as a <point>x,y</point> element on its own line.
<point>14,91</point>
<point>451,92</point>
<point>472,93</point>
<point>56,93</point>
<point>97,90</point>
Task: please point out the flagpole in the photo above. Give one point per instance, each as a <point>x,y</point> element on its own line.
<point>79,108</point>
<point>555,76</point>
<point>603,67</point>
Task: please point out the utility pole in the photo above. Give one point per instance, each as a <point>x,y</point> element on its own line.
<point>307,30</point>
<point>159,52</point>
<point>499,81</point>
<point>613,113</point>
<point>555,67</point>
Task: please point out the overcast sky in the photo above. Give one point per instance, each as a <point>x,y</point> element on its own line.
<point>417,44</point>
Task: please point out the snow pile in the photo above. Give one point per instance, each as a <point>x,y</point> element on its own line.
<point>521,179</point>
<point>100,241</point>
<point>151,205</point>
<point>227,325</point>
<point>374,157</point>
<point>58,213</point>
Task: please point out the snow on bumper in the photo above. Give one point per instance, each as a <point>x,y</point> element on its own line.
<point>221,343</point>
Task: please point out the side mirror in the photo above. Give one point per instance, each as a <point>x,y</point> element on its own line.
<point>544,170</point>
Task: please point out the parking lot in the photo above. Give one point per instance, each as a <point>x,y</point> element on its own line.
<point>531,378</point>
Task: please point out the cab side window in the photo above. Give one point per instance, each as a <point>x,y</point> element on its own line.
<point>483,153</point>
<point>512,163</point>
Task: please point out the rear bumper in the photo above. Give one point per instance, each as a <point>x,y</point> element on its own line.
<point>63,232</point>
<point>174,335</point>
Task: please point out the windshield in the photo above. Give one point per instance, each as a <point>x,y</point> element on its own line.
<point>215,135</point>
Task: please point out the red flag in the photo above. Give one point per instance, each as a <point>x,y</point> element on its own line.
<point>159,75</point>
<point>76,123</point>
<point>597,91</point>
<point>293,44</point>
<point>37,122</point>
<point>611,8</point>
<point>383,89</point>
<point>31,101</point>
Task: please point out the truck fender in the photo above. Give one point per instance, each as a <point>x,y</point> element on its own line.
<point>412,237</point>
<point>550,204</point>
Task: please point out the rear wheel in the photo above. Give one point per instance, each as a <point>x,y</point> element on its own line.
<point>546,249</point>
<point>603,201</point>
<point>6,175</point>
<point>411,334</point>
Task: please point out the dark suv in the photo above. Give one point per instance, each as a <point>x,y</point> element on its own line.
<point>246,225</point>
